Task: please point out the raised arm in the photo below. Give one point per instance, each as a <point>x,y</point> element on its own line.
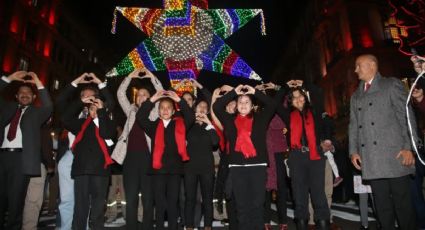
<point>187,112</point>
<point>107,128</point>
<point>46,108</point>
<point>70,117</point>
<point>204,91</point>
<point>219,107</point>
<point>215,120</point>
<point>122,94</point>
<point>142,115</point>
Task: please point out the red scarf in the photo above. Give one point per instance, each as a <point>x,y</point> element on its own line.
<point>180,137</point>
<point>297,132</point>
<point>243,141</point>
<point>102,143</point>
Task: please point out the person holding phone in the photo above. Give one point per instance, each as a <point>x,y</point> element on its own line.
<point>91,164</point>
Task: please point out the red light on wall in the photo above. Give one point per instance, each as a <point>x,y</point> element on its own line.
<point>365,38</point>
<point>7,65</point>
<point>52,17</point>
<point>14,24</point>
<point>47,45</point>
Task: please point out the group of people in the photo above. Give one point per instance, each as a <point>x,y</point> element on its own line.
<point>265,135</point>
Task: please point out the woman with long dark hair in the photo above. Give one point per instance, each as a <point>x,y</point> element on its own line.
<point>306,160</point>
<point>246,136</point>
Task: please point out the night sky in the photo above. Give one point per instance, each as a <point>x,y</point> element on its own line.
<point>262,53</point>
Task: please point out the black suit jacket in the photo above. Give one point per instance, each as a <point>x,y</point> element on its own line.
<point>62,103</point>
<point>171,160</point>
<point>88,156</point>
<point>259,127</point>
<point>30,125</point>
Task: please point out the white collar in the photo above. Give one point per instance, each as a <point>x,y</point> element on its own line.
<point>166,122</point>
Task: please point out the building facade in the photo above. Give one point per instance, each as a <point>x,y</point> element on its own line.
<point>329,37</point>
<point>43,37</point>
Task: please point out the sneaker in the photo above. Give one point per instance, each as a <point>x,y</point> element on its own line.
<point>338,181</point>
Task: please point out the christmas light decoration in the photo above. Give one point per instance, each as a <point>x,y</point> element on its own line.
<point>184,38</point>
<point>410,17</point>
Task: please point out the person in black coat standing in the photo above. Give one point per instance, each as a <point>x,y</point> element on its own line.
<point>308,140</point>
<point>20,152</point>
<point>201,140</point>
<point>246,136</point>
<point>90,168</point>
<point>168,135</point>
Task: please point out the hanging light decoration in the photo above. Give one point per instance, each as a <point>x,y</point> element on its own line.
<point>184,38</point>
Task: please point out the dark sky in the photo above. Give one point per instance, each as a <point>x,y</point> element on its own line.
<point>262,53</point>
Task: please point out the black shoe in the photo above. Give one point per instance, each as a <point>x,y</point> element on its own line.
<point>364,228</point>
<point>302,224</point>
<point>322,225</point>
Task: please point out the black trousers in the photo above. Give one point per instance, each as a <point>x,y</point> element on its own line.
<point>166,190</point>
<point>191,186</point>
<point>13,189</point>
<point>90,196</point>
<point>249,188</point>
<point>136,180</point>
<point>393,198</point>
<point>308,177</point>
<point>282,193</point>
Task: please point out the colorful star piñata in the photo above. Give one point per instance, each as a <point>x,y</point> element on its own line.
<point>184,38</point>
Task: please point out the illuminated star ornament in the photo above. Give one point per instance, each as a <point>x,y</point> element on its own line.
<point>184,38</point>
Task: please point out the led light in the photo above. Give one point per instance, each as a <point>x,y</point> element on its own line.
<point>184,38</point>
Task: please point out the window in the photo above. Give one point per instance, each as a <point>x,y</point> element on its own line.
<point>392,32</point>
<point>24,63</point>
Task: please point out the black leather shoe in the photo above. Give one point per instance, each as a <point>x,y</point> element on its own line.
<point>322,224</point>
<point>302,224</point>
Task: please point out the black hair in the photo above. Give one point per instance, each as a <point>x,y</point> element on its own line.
<point>198,101</point>
<point>28,85</point>
<point>168,100</point>
<point>253,102</point>
<point>303,92</point>
<point>189,93</point>
<point>90,87</point>
<point>147,88</point>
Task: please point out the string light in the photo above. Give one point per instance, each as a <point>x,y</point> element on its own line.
<point>184,38</point>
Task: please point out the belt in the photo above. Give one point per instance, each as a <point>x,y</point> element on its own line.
<point>303,149</point>
<point>11,150</point>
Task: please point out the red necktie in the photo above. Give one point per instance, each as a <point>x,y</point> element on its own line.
<point>367,86</point>
<point>14,125</point>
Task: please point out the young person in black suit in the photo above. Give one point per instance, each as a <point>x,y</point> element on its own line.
<point>90,85</point>
<point>168,135</point>
<point>201,140</point>
<point>20,152</point>
<point>246,136</point>
<point>90,168</point>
